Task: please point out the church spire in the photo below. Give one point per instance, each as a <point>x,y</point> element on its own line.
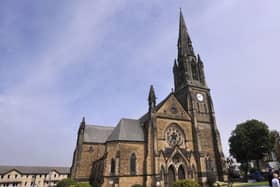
<point>184,43</point>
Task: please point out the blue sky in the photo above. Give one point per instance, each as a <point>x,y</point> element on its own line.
<point>62,60</point>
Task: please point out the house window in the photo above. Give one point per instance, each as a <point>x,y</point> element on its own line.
<point>54,175</point>
<point>90,149</point>
<point>8,176</point>
<point>16,176</point>
<point>133,164</point>
<point>113,166</point>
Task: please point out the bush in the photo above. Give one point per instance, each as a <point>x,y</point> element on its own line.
<point>185,183</point>
<point>72,183</point>
<point>66,183</point>
<point>137,185</point>
<point>83,184</point>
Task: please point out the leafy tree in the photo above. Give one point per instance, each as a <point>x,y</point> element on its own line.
<point>250,140</point>
<point>66,183</point>
<point>274,134</point>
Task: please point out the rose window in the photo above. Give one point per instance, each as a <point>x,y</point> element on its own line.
<point>174,136</point>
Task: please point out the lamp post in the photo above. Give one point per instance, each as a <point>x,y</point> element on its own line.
<point>111,181</point>
<point>158,183</point>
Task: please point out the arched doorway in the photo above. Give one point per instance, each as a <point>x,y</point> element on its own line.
<point>181,172</point>
<point>171,175</point>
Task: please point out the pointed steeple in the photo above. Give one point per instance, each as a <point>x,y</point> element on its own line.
<point>152,98</point>
<point>184,43</point>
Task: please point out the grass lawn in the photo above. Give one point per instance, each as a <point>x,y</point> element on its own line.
<point>265,183</point>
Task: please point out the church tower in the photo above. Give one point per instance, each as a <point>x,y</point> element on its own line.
<point>194,95</point>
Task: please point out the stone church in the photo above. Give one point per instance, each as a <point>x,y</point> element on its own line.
<point>176,139</point>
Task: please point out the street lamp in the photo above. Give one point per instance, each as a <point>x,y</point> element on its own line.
<point>158,183</point>
<point>111,181</point>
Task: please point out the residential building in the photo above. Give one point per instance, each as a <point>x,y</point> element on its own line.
<point>32,176</point>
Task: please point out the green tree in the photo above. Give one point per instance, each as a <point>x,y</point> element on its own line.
<point>250,140</point>
<point>66,183</point>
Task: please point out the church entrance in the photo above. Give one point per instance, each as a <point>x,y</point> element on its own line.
<point>171,175</point>
<point>181,173</point>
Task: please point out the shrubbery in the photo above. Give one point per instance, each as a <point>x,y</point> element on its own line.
<point>137,185</point>
<point>185,183</point>
<point>66,183</point>
<point>72,183</point>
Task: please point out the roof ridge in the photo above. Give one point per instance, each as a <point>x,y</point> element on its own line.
<point>128,119</point>
<point>105,126</point>
<point>13,166</point>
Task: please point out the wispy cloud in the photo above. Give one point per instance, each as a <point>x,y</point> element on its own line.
<point>63,60</point>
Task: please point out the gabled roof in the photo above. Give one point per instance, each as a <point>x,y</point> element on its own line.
<point>34,169</point>
<point>145,116</point>
<point>127,130</point>
<point>97,134</point>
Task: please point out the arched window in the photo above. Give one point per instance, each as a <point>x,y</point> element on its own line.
<point>194,71</point>
<point>197,106</point>
<point>205,108</point>
<point>171,175</point>
<point>208,163</point>
<point>113,166</point>
<point>133,164</point>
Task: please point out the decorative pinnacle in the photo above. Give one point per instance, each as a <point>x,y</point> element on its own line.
<point>152,97</point>
<point>198,58</point>
<point>83,120</point>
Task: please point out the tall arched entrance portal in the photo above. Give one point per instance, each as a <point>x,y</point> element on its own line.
<point>171,175</point>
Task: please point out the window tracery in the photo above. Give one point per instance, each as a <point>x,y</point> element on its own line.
<point>174,135</point>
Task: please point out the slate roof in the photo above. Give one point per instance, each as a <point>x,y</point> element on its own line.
<point>97,134</point>
<point>127,130</point>
<point>34,169</point>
